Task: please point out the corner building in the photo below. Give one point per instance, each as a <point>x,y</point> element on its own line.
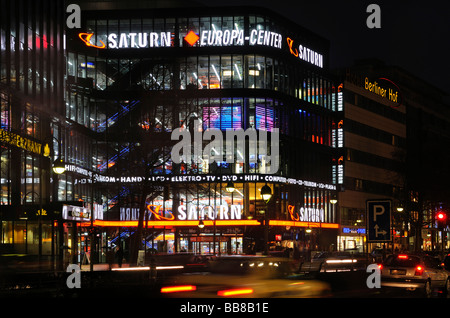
<point>32,86</point>
<point>135,77</point>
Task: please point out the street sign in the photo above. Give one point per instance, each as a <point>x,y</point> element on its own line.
<point>378,220</point>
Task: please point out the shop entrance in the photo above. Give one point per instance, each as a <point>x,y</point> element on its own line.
<point>219,245</point>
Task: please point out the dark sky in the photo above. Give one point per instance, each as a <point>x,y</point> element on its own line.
<point>414,35</point>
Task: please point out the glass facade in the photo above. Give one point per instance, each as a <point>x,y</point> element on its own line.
<point>237,73</point>
<point>117,106</point>
<point>32,89</point>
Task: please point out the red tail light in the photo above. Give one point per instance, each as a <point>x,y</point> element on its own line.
<point>419,271</point>
<point>403,256</point>
<point>177,289</point>
<point>235,292</point>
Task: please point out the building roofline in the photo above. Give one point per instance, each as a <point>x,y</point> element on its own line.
<point>206,11</point>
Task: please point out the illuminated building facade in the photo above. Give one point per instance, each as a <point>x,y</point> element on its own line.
<point>375,144</point>
<point>32,92</point>
<point>135,77</point>
<point>396,147</point>
<point>141,75</point>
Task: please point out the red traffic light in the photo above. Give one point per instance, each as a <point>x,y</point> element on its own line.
<point>441,216</point>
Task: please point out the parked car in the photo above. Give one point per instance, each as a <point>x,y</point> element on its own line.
<point>415,272</point>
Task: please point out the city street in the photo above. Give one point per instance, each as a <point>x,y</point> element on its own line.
<point>138,283</point>
<point>198,156</point>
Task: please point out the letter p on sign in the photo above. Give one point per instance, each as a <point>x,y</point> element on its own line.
<point>378,210</point>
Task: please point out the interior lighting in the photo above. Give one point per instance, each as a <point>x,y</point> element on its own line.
<point>237,70</point>
<point>215,72</point>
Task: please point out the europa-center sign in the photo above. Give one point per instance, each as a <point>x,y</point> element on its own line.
<point>205,38</point>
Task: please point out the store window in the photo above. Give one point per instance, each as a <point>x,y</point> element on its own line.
<point>6,232</point>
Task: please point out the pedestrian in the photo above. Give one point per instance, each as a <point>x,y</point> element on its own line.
<point>119,255</point>
<point>110,257</point>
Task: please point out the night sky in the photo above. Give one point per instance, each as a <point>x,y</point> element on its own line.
<point>414,35</point>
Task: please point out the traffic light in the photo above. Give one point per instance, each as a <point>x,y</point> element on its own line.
<point>441,218</point>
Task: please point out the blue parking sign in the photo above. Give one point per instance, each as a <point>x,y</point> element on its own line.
<point>378,220</point>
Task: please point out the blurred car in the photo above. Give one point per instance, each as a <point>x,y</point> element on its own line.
<point>335,262</point>
<point>245,277</point>
<point>415,272</point>
<point>379,254</point>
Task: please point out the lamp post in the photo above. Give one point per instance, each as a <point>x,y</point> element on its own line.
<point>230,187</point>
<point>334,202</point>
<point>266,194</point>
<point>59,167</point>
<point>201,225</point>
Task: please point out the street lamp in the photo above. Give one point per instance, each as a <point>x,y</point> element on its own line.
<point>58,166</point>
<point>266,193</point>
<point>333,200</point>
<point>230,187</point>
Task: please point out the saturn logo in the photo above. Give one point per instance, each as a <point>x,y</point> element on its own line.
<point>86,38</point>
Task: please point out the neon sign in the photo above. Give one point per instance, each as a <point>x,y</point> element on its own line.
<point>187,213</point>
<point>235,37</point>
<point>306,214</point>
<point>139,40</point>
<point>389,93</point>
<point>86,38</point>
<point>206,38</point>
<point>353,230</point>
<point>13,139</point>
<point>293,214</point>
<point>293,51</point>
<point>221,212</point>
<point>79,213</point>
<point>306,54</point>
<point>154,209</point>
<point>206,178</point>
